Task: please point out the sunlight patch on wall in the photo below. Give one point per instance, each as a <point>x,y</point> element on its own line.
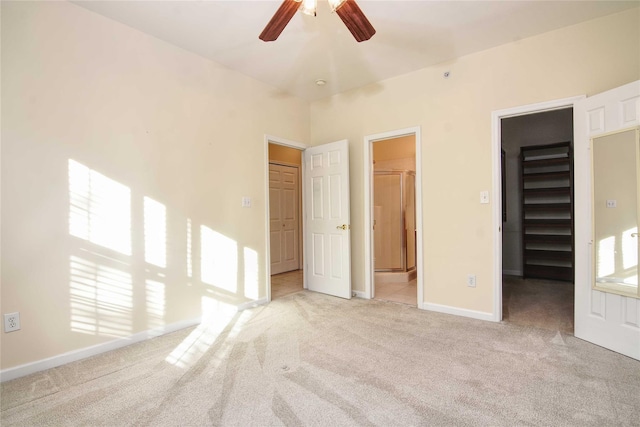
<point>155,295</point>
<point>155,233</point>
<point>606,257</point>
<point>216,315</point>
<point>101,299</point>
<point>99,209</point>
<point>251,282</point>
<point>218,260</point>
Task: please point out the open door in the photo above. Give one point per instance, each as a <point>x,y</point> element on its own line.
<point>327,221</point>
<point>605,318</point>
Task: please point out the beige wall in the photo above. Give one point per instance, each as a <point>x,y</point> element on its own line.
<point>280,153</point>
<point>395,153</point>
<point>395,148</point>
<point>455,118</point>
<point>138,118</point>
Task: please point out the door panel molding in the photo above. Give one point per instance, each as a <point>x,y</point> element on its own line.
<point>284,217</point>
<point>327,218</point>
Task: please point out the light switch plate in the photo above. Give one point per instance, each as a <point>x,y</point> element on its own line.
<point>246,202</point>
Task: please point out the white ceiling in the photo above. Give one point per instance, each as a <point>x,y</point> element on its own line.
<point>411,34</point>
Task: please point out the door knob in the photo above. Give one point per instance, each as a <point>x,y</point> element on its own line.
<point>343,227</point>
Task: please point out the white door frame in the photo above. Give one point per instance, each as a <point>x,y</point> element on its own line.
<point>496,143</point>
<point>269,139</point>
<point>368,210</point>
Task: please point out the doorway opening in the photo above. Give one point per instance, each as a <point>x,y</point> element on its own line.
<point>538,220</point>
<point>511,164</point>
<point>393,247</point>
<point>285,224</point>
<point>394,220</point>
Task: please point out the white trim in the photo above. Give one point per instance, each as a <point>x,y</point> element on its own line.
<point>83,353</point>
<point>369,274</point>
<point>512,272</point>
<point>281,141</point>
<point>360,294</point>
<point>473,314</point>
<point>368,209</point>
<point>252,304</point>
<point>270,139</point>
<point>496,146</point>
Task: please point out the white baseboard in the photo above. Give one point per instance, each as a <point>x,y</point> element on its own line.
<point>480,315</point>
<point>252,304</point>
<point>359,294</point>
<point>83,353</point>
<point>512,272</point>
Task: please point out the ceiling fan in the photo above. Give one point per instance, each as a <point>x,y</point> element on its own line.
<point>347,10</point>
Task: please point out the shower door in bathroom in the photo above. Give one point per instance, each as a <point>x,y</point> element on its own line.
<point>394,221</point>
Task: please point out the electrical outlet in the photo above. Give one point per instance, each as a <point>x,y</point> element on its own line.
<point>612,204</point>
<point>471,280</point>
<point>11,322</point>
<point>484,197</point>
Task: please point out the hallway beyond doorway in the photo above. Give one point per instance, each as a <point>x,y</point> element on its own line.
<point>404,293</point>
<point>286,283</point>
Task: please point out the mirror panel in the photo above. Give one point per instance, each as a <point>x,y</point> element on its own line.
<point>615,212</point>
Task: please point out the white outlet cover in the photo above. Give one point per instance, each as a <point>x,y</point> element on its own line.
<point>246,202</point>
<point>612,203</point>
<point>11,322</point>
<point>471,280</point>
<point>484,197</point>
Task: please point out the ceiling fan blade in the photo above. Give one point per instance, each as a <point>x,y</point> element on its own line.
<point>356,22</point>
<point>280,20</point>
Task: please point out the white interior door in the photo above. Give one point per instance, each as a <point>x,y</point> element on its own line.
<point>606,319</point>
<point>283,218</point>
<point>327,220</point>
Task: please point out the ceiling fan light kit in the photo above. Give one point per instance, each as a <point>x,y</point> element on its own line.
<point>348,11</point>
<point>309,7</point>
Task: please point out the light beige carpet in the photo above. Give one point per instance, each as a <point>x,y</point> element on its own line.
<point>310,359</point>
<point>545,304</point>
